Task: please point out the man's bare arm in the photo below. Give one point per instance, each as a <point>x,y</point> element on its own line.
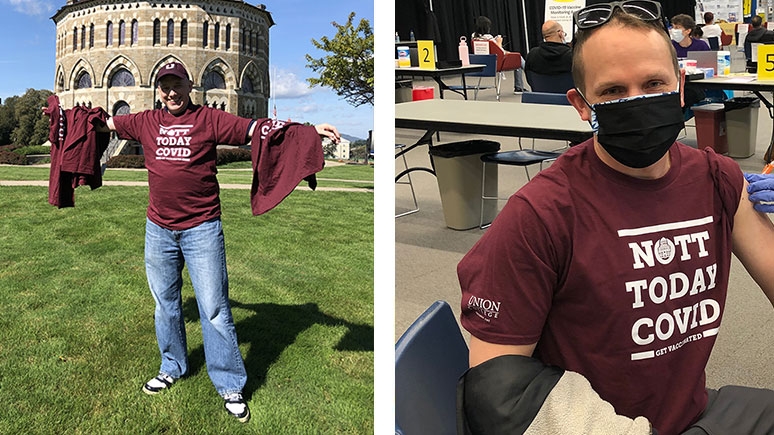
<point>482,351</point>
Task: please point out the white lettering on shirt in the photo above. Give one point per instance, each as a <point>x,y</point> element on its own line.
<point>173,142</point>
<point>651,247</point>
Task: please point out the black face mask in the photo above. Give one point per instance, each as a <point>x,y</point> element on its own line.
<point>638,131</point>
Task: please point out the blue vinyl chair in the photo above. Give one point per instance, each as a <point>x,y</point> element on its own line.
<point>430,357</point>
<point>714,43</point>
<point>490,70</point>
<point>553,83</point>
<point>545,98</point>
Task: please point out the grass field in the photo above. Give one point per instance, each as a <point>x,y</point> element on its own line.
<point>78,341</point>
<point>354,176</point>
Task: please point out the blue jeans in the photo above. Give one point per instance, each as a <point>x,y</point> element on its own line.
<point>204,250</point>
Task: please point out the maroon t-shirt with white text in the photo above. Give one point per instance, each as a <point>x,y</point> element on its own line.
<point>180,155</point>
<point>620,279</point>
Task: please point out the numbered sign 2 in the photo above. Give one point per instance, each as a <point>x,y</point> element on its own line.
<point>426,51</point>
<point>765,62</point>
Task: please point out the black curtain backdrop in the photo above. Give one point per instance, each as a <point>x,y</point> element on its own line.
<point>450,19</point>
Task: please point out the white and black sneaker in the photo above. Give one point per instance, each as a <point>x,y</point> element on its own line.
<point>237,406</point>
<point>158,384</point>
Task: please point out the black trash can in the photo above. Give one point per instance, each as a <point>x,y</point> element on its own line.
<point>741,125</point>
<point>459,171</point>
<point>403,91</point>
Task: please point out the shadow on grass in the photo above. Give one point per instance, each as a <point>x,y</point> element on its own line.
<point>272,328</point>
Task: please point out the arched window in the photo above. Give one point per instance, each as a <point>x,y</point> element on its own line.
<point>75,38</point>
<point>91,35</point>
<point>228,36</point>
<point>83,37</point>
<point>205,29</point>
<point>84,81</point>
<point>121,32</point>
<point>122,77</point>
<point>121,108</point>
<point>135,32</point>
<point>255,43</point>
<point>170,32</point>
<point>247,85</point>
<point>213,80</point>
<point>243,45</point>
<point>109,38</point>
<point>217,35</point>
<point>156,32</point>
<point>184,32</point>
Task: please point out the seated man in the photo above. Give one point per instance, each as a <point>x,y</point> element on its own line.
<point>553,55</point>
<point>595,298</point>
<point>758,34</point>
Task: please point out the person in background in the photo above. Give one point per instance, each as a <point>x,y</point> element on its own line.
<point>758,33</point>
<point>484,32</point>
<point>595,298</point>
<point>553,55</point>
<point>710,29</point>
<point>682,28</point>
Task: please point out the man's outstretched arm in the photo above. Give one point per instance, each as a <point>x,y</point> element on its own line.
<point>106,128</point>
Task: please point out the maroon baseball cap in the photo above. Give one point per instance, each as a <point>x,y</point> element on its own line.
<point>175,68</point>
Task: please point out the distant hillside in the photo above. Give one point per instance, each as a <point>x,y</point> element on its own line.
<point>350,138</point>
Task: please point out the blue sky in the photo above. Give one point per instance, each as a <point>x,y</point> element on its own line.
<point>27,58</point>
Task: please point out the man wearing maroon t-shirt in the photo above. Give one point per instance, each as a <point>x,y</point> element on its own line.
<point>594,299</point>
<point>183,226</point>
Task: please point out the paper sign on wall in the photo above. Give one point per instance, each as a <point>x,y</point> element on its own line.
<point>426,53</point>
<point>561,11</point>
<point>765,62</point>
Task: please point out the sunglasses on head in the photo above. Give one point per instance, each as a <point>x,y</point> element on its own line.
<point>597,15</point>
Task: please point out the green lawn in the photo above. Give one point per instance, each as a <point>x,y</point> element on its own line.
<point>78,341</point>
<point>353,176</point>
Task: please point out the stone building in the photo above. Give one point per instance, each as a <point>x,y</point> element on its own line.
<point>109,52</point>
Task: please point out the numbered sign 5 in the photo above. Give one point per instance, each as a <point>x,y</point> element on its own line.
<point>426,51</point>
<point>765,62</point>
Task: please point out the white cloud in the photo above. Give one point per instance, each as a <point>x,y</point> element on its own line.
<point>286,84</point>
<point>32,7</point>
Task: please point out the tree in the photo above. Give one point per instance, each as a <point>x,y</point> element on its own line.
<point>349,68</point>
<point>7,120</point>
<point>357,151</point>
<point>329,148</point>
<point>31,126</point>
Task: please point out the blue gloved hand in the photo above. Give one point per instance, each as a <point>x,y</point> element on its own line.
<point>761,191</point>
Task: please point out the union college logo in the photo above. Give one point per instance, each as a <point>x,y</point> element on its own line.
<point>485,308</point>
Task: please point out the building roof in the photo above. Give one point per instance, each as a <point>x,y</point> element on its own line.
<point>70,3</point>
